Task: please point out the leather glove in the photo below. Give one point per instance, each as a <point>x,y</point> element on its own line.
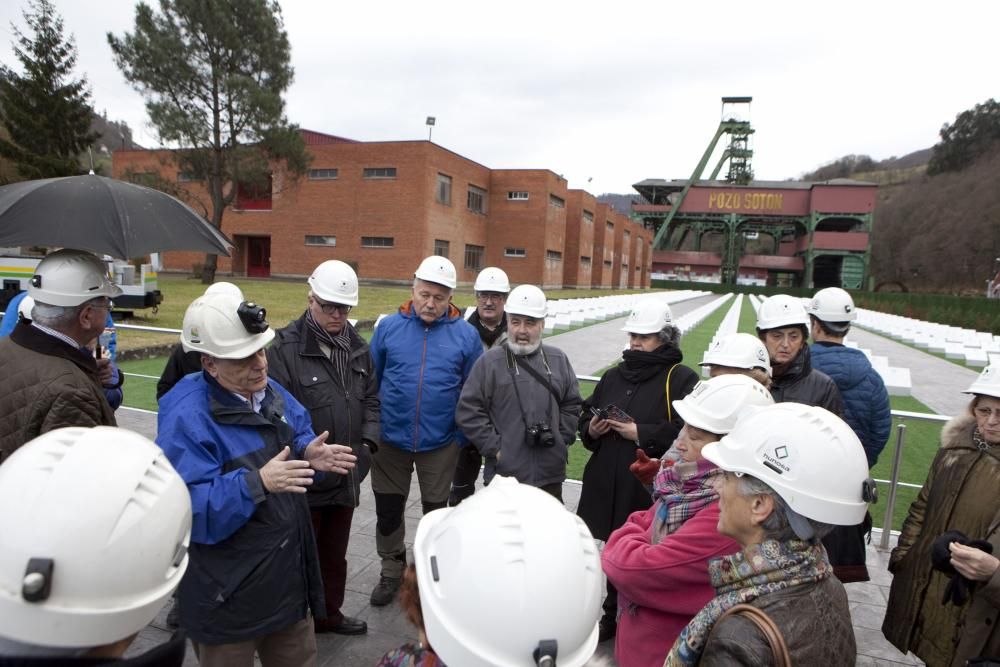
<point>644,468</point>
<point>959,588</point>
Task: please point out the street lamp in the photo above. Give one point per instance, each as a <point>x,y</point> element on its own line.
<point>430,126</point>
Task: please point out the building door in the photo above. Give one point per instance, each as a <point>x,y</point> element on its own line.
<point>258,256</point>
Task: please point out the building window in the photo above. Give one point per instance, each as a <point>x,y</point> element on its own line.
<point>322,174</point>
<point>321,240</point>
<point>584,260</point>
<point>444,189</point>
<point>377,242</point>
<point>186,177</point>
<point>441,247</point>
<point>517,195</point>
<point>588,216</point>
<point>637,269</point>
<point>476,200</point>
<point>607,264</point>
<point>628,236</point>
<point>610,226</point>
<point>474,257</point>
<point>553,256</point>
<point>147,178</point>
<point>380,172</point>
<point>514,252</point>
<point>556,202</point>
<point>254,196</point>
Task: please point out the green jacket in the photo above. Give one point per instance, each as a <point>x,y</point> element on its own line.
<point>915,618</point>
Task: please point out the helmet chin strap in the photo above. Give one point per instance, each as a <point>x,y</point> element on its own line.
<point>546,652</point>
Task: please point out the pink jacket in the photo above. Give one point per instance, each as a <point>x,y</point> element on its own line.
<point>660,586</point>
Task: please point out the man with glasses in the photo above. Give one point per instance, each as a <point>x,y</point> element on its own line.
<point>490,321</point>
<point>327,366</point>
<point>51,378</point>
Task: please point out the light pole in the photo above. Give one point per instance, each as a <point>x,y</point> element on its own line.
<point>430,126</point>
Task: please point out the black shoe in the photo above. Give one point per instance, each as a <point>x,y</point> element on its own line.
<point>385,591</point>
<point>347,626</point>
<point>173,616</point>
<point>607,628</point>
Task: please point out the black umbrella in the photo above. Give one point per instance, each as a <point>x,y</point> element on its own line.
<point>103,215</point>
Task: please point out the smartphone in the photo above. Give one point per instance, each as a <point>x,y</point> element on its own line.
<point>617,414</point>
<point>597,412</point>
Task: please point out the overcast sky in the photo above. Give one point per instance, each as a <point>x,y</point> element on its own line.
<point>612,91</point>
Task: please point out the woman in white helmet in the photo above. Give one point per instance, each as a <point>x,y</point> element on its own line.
<point>95,527</point>
<point>536,595</point>
<point>656,560</point>
<point>630,411</point>
<point>776,499</point>
<point>945,597</point>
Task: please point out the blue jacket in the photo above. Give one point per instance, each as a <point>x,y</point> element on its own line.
<point>253,567</point>
<point>866,401</point>
<point>421,369</point>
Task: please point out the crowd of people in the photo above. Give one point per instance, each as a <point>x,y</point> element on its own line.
<point>731,510</point>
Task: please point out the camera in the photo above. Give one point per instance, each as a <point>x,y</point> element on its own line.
<point>253,317</point>
<point>540,435</point>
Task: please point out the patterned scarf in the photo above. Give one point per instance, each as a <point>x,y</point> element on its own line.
<point>680,492</point>
<point>340,345</point>
<point>758,570</point>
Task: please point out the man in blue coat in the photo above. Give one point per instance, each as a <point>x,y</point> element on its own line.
<point>423,354</point>
<point>247,451</point>
<point>866,401</point>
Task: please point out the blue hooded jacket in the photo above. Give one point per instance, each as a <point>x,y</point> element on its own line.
<point>866,401</point>
<point>421,369</point>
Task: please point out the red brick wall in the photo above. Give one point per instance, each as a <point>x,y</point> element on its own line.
<point>604,247</point>
<point>579,239</point>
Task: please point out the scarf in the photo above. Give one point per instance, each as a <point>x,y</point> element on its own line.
<point>340,345</point>
<point>638,366</point>
<point>758,570</point>
<point>680,492</point>
<point>980,442</point>
<point>485,334</point>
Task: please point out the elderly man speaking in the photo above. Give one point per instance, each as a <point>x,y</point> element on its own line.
<point>247,451</point>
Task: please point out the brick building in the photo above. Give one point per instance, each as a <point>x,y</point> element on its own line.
<point>385,205</point>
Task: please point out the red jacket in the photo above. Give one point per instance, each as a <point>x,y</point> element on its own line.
<point>660,586</point>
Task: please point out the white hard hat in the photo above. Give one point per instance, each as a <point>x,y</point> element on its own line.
<point>781,310</point>
<point>506,571</point>
<point>223,287</point>
<point>527,300</point>
<point>96,526</point>
<point>71,277</point>
<point>739,350</point>
<point>808,455</point>
<point>987,384</point>
<point>213,325</point>
<point>832,304</point>
<point>24,308</point>
<point>437,269</point>
<point>335,282</point>
<point>492,279</point>
<point>648,316</point>
<point>714,405</point>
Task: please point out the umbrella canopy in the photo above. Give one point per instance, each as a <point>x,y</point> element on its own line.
<point>103,215</point>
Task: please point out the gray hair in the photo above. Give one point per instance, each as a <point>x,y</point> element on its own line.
<point>55,317</point>
<point>778,526</point>
<point>669,335</point>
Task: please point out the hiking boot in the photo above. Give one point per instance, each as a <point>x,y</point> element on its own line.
<point>385,591</point>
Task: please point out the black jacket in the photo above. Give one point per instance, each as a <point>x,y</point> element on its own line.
<point>351,414</point>
<point>801,383</point>
<point>168,654</point>
<point>610,491</point>
<point>179,364</point>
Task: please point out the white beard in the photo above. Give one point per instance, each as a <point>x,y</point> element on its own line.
<point>524,349</point>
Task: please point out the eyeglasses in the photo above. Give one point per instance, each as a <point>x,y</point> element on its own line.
<point>331,308</point>
<point>109,304</point>
<point>986,413</point>
<point>490,296</point>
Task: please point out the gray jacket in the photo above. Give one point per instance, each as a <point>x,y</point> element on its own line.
<point>493,415</point>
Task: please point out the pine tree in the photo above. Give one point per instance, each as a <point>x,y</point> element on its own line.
<point>46,112</point>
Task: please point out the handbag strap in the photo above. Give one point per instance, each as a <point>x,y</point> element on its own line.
<point>670,414</point>
<point>766,627</point>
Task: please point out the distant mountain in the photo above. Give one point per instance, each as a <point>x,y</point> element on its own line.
<point>856,166</point>
<point>621,203</point>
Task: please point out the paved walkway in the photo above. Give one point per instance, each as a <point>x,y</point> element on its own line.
<point>590,349</point>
